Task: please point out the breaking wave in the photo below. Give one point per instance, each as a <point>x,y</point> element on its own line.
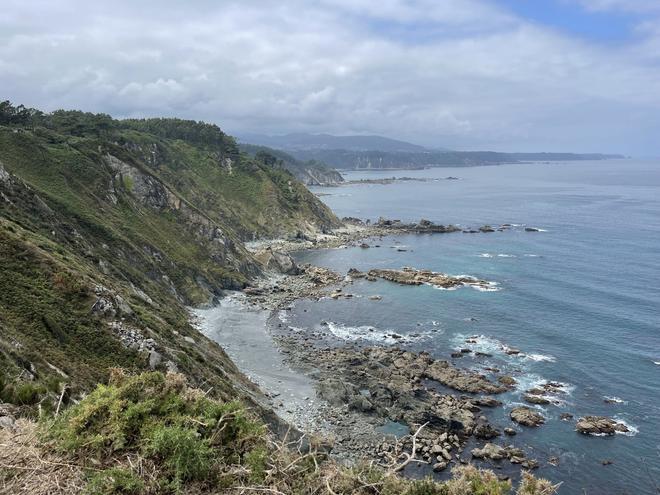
<point>371,334</point>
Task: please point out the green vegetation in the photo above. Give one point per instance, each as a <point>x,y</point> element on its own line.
<point>110,227</point>
<point>160,419</point>
<point>115,481</point>
<point>153,434</point>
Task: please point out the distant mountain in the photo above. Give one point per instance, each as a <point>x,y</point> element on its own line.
<point>347,159</point>
<point>302,141</point>
<point>378,152</point>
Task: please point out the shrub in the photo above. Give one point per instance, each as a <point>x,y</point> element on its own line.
<point>255,462</point>
<point>185,441</point>
<point>22,393</point>
<point>155,416</point>
<point>469,480</point>
<point>529,485</point>
<point>115,481</point>
<point>184,454</point>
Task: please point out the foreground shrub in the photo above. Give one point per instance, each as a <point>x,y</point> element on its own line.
<point>182,452</point>
<point>152,434</point>
<point>186,435</point>
<point>115,481</point>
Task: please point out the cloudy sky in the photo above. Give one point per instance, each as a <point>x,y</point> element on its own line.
<point>557,75</point>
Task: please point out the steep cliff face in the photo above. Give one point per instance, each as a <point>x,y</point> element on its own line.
<point>320,176</point>
<point>108,229</point>
<point>309,172</point>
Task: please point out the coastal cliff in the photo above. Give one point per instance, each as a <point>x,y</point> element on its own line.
<point>110,230</point>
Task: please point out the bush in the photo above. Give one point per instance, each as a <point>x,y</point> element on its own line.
<point>184,454</point>
<point>468,480</point>
<point>22,393</point>
<point>181,431</point>
<point>185,441</point>
<point>115,481</point>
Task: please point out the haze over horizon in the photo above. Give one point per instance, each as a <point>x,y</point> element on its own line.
<point>502,75</point>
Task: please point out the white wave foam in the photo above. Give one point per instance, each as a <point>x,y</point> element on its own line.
<point>485,255</point>
<point>491,287</point>
<point>614,400</point>
<point>632,429</point>
<point>371,334</point>
<point>478,343</point>
<point>485,286</point>
<point>283,316</point>
<point>557,396</point>
<point>503,255</point>
<point>540,357</point>
<point>532,255</point>
<point>656,363</point>
<point>528,381</point>
<point>492,345</point>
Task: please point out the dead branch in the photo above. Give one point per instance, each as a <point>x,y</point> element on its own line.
<point>409,457</point>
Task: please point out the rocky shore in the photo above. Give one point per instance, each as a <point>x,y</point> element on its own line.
<point>358,232</point>
<point>386,403</point>
<point>372,397</point>
<point>391,180</point>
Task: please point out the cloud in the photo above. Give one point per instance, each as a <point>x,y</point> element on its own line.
<point>456,73</point>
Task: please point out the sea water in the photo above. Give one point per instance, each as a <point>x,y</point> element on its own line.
<point>580,299</point>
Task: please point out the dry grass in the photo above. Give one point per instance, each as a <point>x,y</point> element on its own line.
<point>153,435</point>
<point>26,468</point>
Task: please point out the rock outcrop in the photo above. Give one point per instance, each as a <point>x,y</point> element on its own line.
<point>600,425</point>
<point>526,416</point>
<point>412,276</point>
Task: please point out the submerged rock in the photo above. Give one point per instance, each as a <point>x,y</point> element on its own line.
<point>507,380</point>
<point>535,399</point>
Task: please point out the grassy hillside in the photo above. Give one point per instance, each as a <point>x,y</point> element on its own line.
<point>108,229</point>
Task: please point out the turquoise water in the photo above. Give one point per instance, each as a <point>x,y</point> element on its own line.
<point>581,299</point>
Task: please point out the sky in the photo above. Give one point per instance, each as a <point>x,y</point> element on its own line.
<point>505,75</point>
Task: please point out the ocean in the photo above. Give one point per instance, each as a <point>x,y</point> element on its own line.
<point>580,298</point>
